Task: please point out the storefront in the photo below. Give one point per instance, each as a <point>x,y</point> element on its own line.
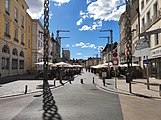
<point>155,63</point>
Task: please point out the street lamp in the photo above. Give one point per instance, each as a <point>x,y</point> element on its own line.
<point>58,38</point>
<point>108,54</point>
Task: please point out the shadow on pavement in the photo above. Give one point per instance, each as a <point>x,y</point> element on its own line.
<point>49,106</point>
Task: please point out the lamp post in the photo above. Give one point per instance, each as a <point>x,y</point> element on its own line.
<point>109,47</point>
<point>58,38</point>
<point>108,52</point>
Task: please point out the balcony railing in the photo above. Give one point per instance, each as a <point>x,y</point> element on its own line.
<point>156,16</point>
<point>15,39</point>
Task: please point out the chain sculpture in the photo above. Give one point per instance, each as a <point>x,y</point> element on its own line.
<point>46,39</point>
<point>129,42</point>
<point>49,107</point>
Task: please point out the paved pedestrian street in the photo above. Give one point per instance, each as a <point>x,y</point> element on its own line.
<point>77,101</point>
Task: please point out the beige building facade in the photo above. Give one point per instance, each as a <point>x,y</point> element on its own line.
<point>38,44</point>
<point>150,19</point>
<point>13,44</point>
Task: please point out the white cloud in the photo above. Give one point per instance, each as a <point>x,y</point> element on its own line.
<point>94,26</point>
<point>60,2</point>
<point>79,53</point>
<point>88,1</point>
<point>105,9</point>
<point>35,8</point>
<point>85,27</point>
<point>79,21</point>
<point>92,46</point>
<point>79,44</point>
<point>67,45</point>
<point>102,10</point>
<point>85,45</point>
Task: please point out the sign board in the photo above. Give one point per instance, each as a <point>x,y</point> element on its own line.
<point>104,74</point>
<point>141,44</point>
<point>114,54</point>
<point>115,61</point>
<point>155,52</point>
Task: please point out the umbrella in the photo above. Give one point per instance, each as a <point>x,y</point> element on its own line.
<point>62,64</point>
<point>125,65</point>
<point>106,64</point>
<point>77,66</point>
<point>42,63</point>
<point>98,66</point>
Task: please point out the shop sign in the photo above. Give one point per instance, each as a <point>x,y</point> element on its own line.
<point>141,44</point>
<point>156,52</point>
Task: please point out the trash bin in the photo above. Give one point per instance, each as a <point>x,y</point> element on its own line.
<point>128,77</point>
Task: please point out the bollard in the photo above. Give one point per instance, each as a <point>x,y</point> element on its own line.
<point>54,82</point>
<point>81,81</point>
<point>160,89</point>
<point>103,81</point>
<point>25,89</point>
<point>93,80</point>
<point>70,82</point>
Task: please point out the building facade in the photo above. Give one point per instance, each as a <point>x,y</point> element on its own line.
<point>38,44</point>
<point>122,44</point>
<point>65,55</point>
<point>150,20</point>
<point>13,44</point>
<point>55,50</point>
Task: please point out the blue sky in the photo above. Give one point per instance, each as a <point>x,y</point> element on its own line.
<point>84,19</point>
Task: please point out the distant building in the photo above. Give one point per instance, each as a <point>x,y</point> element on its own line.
<point>106,52</point>
<point>65,55</point>
<point>91,62</point>
<point>55,50</point>
<point>38,44</point>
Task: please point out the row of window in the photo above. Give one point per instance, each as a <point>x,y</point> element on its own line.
<point>6,65</point>
<point>7,9</point>
<point>6,49</point>
<point>7,34</point>
<point>155,10</point>
<point>142,3</point>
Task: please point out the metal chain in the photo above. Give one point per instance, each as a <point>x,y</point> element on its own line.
<point>128,44</point>
<point>128,33</point>
<point>46,39</point>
